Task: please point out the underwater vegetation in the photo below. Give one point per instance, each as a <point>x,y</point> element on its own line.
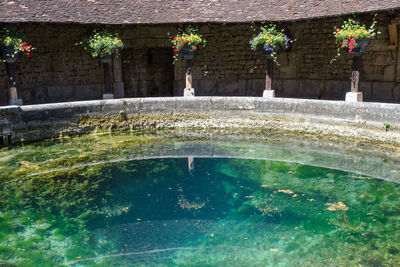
<point>123,200</point>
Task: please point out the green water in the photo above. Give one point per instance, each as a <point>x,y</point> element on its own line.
<point>129,200</point>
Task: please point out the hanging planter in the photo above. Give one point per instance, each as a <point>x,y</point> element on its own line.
<point>269,53</point>
<point>359,47</point>
<point>103,45</point>
<point>353,38</point>
<point>270,41</point>
<point>188,51</point>
<point>188,43</point>
<point>13,46</point>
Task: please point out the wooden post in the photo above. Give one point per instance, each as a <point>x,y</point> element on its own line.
<point>354,95</point>
<point>12,85</point>
<point>268,92</point>
<point>189,91</point>
<point>108,94</point>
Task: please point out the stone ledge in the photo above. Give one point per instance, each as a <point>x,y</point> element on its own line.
<point>51,119</point>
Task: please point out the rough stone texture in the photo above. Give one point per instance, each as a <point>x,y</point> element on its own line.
<point>172,11</point>
<point>62,71</point>
<point>355,120</point>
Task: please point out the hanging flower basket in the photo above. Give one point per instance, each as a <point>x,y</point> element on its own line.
<point>354,37</point>
<point>188,51</point>
<point>12,46</point>
<point>9,54</point>
<point>270,41</point>
<point>103,45</point>
<point>188,43</point>
<point>359,47</point>
<point>269,53</point>
<point>106,58</point>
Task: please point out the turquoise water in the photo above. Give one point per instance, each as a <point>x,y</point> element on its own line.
<point>190,211</point>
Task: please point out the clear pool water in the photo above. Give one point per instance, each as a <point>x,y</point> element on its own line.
<point>138,201</point>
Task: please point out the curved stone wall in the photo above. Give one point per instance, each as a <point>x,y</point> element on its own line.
<point>360,120</point>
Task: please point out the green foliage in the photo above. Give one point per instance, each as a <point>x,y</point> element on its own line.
<point>16,40</point>
<point>103,43</point>
<point>347,35</point>
<point>271,38</point>
<point>190,38</point>
<point>388,125</point>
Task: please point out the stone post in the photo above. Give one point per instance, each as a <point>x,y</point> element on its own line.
<point>190,163</point>
<point>355,95</point>
<point>268,92</point>
<point>118,85</point>
<point>108,94</point>
<point>189,90</point>
<point>12,86</point>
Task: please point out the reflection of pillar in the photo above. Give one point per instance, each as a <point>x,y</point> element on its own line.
<point>355,95</point>
<point>118,85</point>
<point>108,94</point>
<point>190,163</point>
<point>189,91</point>
<point>12,85</point>
<point>268,92</point>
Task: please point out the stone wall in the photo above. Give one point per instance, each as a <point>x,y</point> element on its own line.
<point>63,71</point>
<point>338,118</point>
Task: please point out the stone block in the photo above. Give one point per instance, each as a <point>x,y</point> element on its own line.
<point>88,92</point>
<point>269,93</point>
<point>188,92</point>
<point>366,89</point>
<point>290,88</point>
<point>237,103</point>
<point>40,95</point>
<point>354,97</point>
<point>60,93</point>
<point>389,73</point>
<point>335,90</point>
<point>108,96</point>
<point>16,102</point>
<point>206,87</point>
<point>382,58</point>
<point>382,91</point>
<point>396,93</point>
<point>118,89</point>
<point>193,104</point>
<point>152,104</point>
<point>231,88</point>
<point>255,87</point>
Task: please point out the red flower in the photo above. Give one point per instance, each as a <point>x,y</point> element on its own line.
<point>23,43</point>
<point>183,43</point>
<point>28,54</point>
<point>194,48</point>
<point>354,36</point>
<point>349,37</point>
<point>369,36</point>
<point>175,38</point>
<point>176,50</point>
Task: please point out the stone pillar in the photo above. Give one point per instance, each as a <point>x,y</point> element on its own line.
<point>108,94</point>
<point>118,85</point>
<point>189,90</point>
<point>268,92</point>
<point>12,86</point>
<point>355,95</point>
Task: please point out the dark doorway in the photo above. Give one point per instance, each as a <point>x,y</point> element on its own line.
<point>148,72</point>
